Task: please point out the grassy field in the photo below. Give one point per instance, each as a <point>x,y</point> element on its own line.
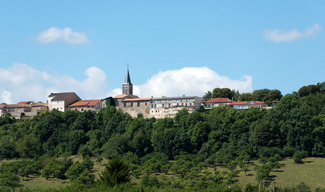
<point>312,173</point>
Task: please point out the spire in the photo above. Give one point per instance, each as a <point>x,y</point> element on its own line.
<point>127,87</point>
<point>127,78</point>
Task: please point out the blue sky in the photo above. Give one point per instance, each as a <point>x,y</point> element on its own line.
<point>172,47</point>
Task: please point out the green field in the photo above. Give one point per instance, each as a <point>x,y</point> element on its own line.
<point>312,173</point>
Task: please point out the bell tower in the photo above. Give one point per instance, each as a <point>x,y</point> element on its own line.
<point>127,87</point>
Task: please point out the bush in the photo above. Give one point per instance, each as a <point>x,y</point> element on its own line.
<point>299,155</point>
<point>149,181</point>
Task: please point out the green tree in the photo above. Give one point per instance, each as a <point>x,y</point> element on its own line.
<point>307,90</point>
<point>299,155</point>
<point>28,146</point>
<point>115,173</point>
<point>207,96</point>
<point>222,93</point>
<point>8,181</point>
<point>245,97</point>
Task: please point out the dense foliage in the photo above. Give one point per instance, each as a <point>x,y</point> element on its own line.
<point>224,136</point>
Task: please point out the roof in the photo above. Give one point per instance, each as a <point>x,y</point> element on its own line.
<point>180,97</point>
<point>18,105</point>
<point>218,100</point>
<point>40,105</point>
<point>2,106</point>
<point>62,96</point>
<point>125,96</point>
<point>247,103</point>
<point>94,102</point>
<point>127,78</point>
<point>25,102</point>
<point>137,99</point>
<point>82,103</point>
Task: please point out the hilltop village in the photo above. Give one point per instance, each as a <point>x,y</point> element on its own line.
<point>157,107</point>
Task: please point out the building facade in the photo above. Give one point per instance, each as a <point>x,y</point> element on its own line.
<point>86,105</point>
<point>61,101</point>
<point>159,107</point>
<point>216,102</point>
<point>162,107</point>
<point>241,105</point>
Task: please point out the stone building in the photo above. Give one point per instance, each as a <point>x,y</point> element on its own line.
<point>169,106</point>
<point>153,107</point>
<point>86,105</point>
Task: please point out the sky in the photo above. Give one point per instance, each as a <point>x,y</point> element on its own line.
<point>172,47</point>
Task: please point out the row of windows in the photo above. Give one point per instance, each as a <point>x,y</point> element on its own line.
<point>137,104</point>
<point>169,105</point>
<point>171,101</point>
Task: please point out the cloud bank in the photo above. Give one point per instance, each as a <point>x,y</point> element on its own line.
<point>190,81</point>
<point>65,35</point>
<point>279,36</point>
<point>22,82</point>
<point>25,83</point>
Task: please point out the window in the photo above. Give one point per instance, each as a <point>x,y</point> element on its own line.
<point>182,104</point>
<point>177,104</point>
<point>138,103</point>
<point>163,105</point>
<point>155,106</point>
<point>152,106</point>
<point>145,103</point>
<point>131,104</point>
<point>124,104</point>
<point>169,105</point>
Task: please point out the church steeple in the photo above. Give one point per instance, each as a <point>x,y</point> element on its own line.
<point>127,87</point>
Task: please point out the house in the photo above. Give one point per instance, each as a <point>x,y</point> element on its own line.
<point>61,101</point>
<point>215,102</point>
<point>248,104</point>
<point>38,108</point>
<point>135,106</point>
<point>86,105</point>
<point>3,110</point>
<point>25,109</point>
<point>19,110</point>
<point>169,106</point>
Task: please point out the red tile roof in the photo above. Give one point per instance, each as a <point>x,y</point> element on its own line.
<point>94,102</point>
<point>138,99</point>
<point>24,102</point>
<point>82,103</point>
<point>218,100</point>
<point>120,96</point>
<point>247,103</point>
<point>2,106</point>
<point>125,96</point>
<point>18,105</point>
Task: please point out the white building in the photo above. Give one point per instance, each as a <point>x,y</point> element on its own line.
<point>61,101</point>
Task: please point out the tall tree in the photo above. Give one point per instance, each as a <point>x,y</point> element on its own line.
<point>222,93</point>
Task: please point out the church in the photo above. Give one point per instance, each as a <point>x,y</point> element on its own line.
<point>157,107</point>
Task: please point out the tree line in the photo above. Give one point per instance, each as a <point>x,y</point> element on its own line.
<point>295,127</point>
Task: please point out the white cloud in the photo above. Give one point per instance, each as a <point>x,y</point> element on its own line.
<point>191,81</point>
<point>66,35</point>
<point>279,36</point>
<point>22,82</point>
